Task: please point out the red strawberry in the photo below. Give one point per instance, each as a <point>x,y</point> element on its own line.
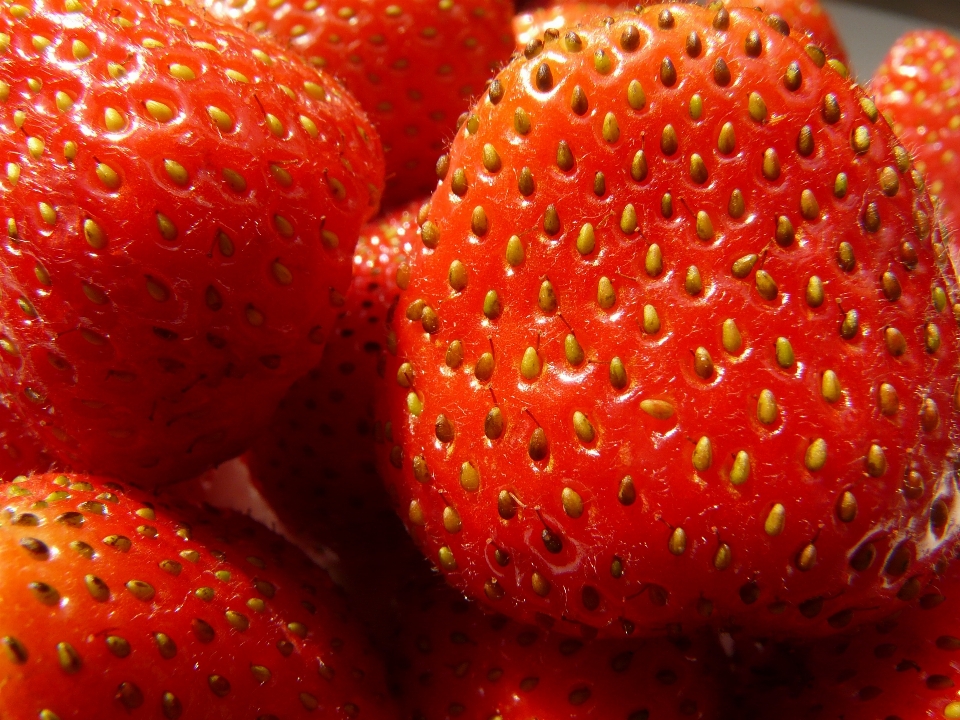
<point>455,661</point>
<point>314,465</point>
<point>918,88</point>
<point>414,66</point>
<point>182,203</point>
<point>904,666</point>
<point>807,16</point>
<point>113,603</point>
<point>676,347</point>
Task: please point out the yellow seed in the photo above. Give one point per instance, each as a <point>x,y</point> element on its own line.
<point>447,561</point>
<point>491,160</point>
<point>547,299</point>
<point>47,213</point>
<point>678,542</point>
<point>451,520</point>
<point>766,285</point>
<point>618,374</point>
<point>13,173</point>
<point>847,507</point>
<point>274,125</point>
<point>704,226</point>
<point>809,207</point>
<point>63,100</point>
<point>572,502</point>
<point>757,107</point>
<point>653,262</point>
<point>876,461</point>
<point>807,557</point>
<point>606,295</point>
<point>108,176</point>
<point>586,240</point>
<point>611,130</point>
<point>94,235</point>
<point>740,472</point>
<point>167,229</point>
<point>469,477</point>
<point>732,340</point>
<point>816,455</point>
<point>236,76</point>
<point>628,219</point>
<point>69,150</point>
<point>703,454</point>
<point>767,411</point>
<point>176,172</point>
<point>727,142</point>
<point>281,273</point>
<point>161,112</point>
<point>530,365</point>
<point>861,140</point>
<point>40,43</point>
<point>651,320</point>
<point>515,253</point>
<point>771,164</point>
<point>582,427</point>
<point>636,97</point>
<point>235,180</point>
<point>35,147</point>
<point>573,350</point>
<point>660,409</point>
<point>114,120</point>
<point>310,126</point>
<point>182,72</point>
<point>723,557</point>
<point>784,353</point>
<point>773,525</point>
<point>457,276</point>
<point>220,118</point>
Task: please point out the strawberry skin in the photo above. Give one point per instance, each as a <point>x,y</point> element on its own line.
<point>452,660</point>
<point>807,16</point>
<point>677,346</point>
<point>20,452</point>
<point>918,88</point>
<point>414,66</point>
<point>113,603</point>
<point>182,203</point>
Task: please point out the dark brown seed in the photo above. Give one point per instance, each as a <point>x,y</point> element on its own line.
<point>694,45</point>
<point>721,72</point>
<point>753,45</point>
<point>544,78</point>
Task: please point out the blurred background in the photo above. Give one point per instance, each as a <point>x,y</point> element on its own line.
<point>869,27</point>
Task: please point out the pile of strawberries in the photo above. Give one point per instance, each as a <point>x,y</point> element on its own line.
<point>641,322</point>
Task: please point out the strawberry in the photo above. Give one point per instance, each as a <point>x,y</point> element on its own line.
<point>115,603</point>
<point>677,345</point>
<point>918,88</point>
<point>454,660</point>
<point>182,203</point>
<point>414,66</point>
<point>903,666</point>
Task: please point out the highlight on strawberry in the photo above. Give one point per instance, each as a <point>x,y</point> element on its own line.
<point>115,602</point>
<point>678,344</point>
<point>182,201</point>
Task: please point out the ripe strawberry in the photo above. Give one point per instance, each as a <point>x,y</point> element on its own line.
<point>904,666</point>
<point>455,661</point>
<point>413,66</point>
<point>182,203</point>
<point>677,346</point>
<point>314,465</point>
<point>112,602</point>
<point>918,88</point>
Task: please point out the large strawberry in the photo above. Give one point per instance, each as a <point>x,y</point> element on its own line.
<point>676,345</point>
<point>182,201</point>
<point>918,87</point>
<point>414,66</point>
<point>452,660</point>
<point>904,666</point>
<point>113,603</point>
